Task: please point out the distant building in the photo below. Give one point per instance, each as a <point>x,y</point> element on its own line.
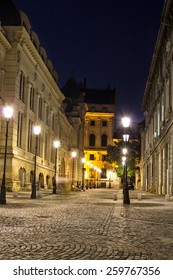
<point>157,136</point>
<point>98,129</point>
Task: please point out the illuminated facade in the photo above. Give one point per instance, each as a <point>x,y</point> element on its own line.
<point>99,129</point>
<point>28,82</point>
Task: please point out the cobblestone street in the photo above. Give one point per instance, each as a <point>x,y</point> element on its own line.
<point>86,225</point>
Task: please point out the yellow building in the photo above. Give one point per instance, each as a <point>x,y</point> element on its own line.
<point>99,129</point>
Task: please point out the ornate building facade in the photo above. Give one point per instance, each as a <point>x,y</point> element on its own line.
<point>29,83</point>
<point>99,130</point>
<point>99,126</point>
<point>157,137</point>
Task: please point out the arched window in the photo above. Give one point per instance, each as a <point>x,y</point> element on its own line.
<point>92,140</point>
<point>104,140</point>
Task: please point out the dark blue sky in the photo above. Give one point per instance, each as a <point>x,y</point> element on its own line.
<point>108,42</point>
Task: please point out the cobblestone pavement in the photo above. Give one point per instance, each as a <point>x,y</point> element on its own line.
<point>86,225</point>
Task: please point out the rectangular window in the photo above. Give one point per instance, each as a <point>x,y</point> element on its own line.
<point>104,123</point>
<point>22,87</point>
<point>46,147</point>
<point>47,115</point>
<point>92,123</point>
<point>40,108</point>
<point>103,157</point>
<point>91,157</point>
<point>19,129</point>
<point>53,121</point>
<point>32,97</point>
<point>30,137</point>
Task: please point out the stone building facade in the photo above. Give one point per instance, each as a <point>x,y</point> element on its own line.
<point>99,130</point>
<point>99,107</point>
<point>29,83</point>
<point>157,137</point>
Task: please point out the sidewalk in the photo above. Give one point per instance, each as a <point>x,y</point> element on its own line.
<point>86,225</point>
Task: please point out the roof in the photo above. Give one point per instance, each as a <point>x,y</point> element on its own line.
<point>97,96</point>
<point>9,15</point>
<point>75,90</point>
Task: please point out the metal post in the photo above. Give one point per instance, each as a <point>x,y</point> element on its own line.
<point>126,199</point>
<point>73,171</point>
<point>33,194</point>
<point>54,181</point>
<point>3,187</point>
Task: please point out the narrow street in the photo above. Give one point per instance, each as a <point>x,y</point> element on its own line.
<point>86,225</point>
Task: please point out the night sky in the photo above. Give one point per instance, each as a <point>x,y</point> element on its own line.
<point>108,42</point>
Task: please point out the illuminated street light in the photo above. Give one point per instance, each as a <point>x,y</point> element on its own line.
<point>124,151</point>
<point>73,154</point>
<point>8,112</point>
<point>36,130</point>
<point>126,123</point>
<point>56,144</point>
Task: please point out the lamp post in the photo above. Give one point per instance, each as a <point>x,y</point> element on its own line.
<point>56,144</point>
<point>73,154</point>
<point>83,173</point>
<point>126,199</point>
<point>36,130</point>
<point>8,112</point>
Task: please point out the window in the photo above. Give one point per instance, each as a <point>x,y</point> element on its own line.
<point>47,115</point>
<point>19,129</point>
<point>40,108</point>
<point>91,157</point>
<point>30,136</point>
<point>104,123</point>
<point>92,140</point>
<point>22,87</point>
<point>53,121</point>
<point>92,123</point>
<point>104,140</point>
<point>46,146</point>
<point>103,157</point>
<point>32,97</point>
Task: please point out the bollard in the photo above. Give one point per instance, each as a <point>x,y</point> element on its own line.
<point>39,194</point>
<point>15,193</point>
<point>115,196</point>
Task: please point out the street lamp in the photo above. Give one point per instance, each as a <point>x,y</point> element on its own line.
<point>36,130</point>
<point>8,112</point>
<point>56,144</point>
<point>83,173</point>
<point>73,154</point>
<point>126,199</point>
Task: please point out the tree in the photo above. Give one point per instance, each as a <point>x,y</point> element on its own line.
<point>114,156</point>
